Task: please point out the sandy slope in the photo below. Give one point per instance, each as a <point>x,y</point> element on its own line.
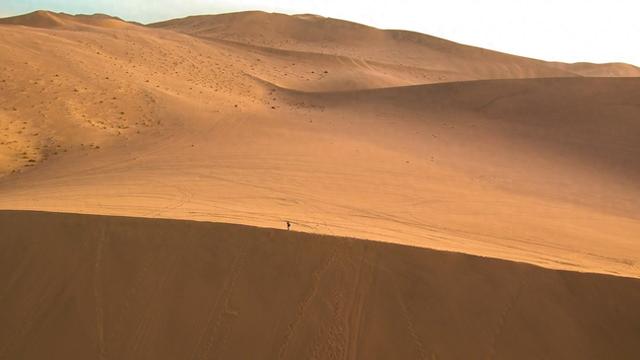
<point>343,130</point>
<point>441,60</point>
<point>150,122</point>
<point>91,287</point>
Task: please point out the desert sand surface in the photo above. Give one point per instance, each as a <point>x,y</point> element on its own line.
<point>411,142</point>
<point>131,288</point>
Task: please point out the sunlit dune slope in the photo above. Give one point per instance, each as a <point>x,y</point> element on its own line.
<point>147,121</point>
<point>81,287</point>
<point>437,60</point>
<point>504,169</point>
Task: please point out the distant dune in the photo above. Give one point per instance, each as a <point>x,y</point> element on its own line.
<point>46,19</point>
<point>89,287</point>
<point>600,70</point>
<point>411,142</point>
<point>316,34</point>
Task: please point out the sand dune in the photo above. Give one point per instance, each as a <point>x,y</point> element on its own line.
<point>498,169</point>
<point>47,19</point>
<point>108,287</point>
<point>407,140</point>
<point>601,70</point>
<point>444,60</point>
<point>153,123</point>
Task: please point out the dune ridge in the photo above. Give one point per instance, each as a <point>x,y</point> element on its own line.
<point>49,19</point>
<point>339,37</point>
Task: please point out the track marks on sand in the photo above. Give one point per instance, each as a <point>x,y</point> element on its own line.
<point>504,315</point>
<point>167,289</point>
<point>302,307</point>
<point>365,277</point>
<point>220,316</point>
<point>97,292</point>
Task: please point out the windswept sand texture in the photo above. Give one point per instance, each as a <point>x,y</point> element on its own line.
<point>341,129</point>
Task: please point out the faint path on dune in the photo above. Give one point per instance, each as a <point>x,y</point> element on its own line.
<point>507,310</point>
<point>215,288</point>
<point>221,315</point>
<point>411,327</point>
<point>306,301</point>
<point>98,294</point>
<point>365,277</point>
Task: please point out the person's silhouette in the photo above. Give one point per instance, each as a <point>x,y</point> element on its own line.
<point>288,225</point>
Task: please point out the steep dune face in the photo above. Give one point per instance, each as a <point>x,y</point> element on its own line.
<point>80,287</point>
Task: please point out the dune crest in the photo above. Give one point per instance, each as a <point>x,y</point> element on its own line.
<point>316,34</point>
<point>49,19</point>
<point>601,70</point>
<point>44,19</point>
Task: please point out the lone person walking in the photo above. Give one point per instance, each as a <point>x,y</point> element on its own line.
<point>288,225</point>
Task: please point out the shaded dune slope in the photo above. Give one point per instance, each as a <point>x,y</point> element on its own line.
<point>593,121</point>
<point>79,286</point>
